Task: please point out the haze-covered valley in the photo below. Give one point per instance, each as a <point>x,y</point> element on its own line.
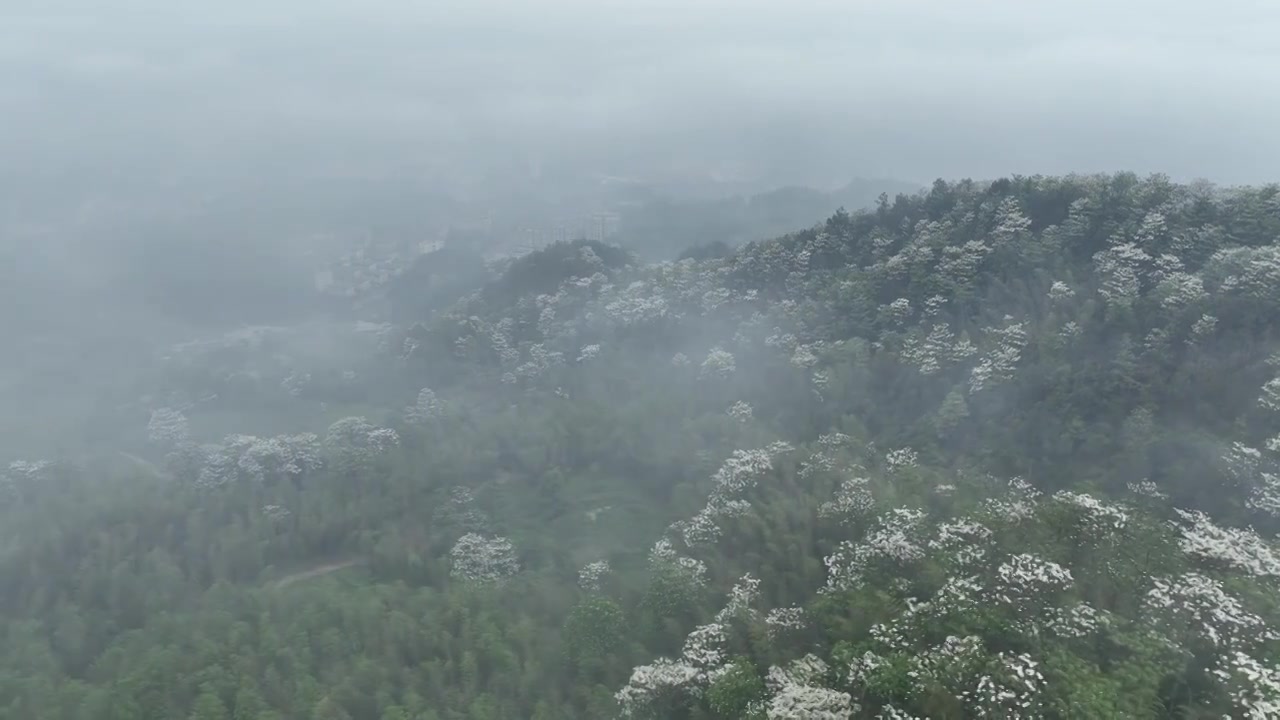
<point>488,360</point>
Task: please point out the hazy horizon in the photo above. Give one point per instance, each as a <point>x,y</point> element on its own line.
<point>813,92</point>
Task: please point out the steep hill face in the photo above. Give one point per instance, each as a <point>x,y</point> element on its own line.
<point>1002,449</point>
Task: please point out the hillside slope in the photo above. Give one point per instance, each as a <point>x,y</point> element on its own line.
<point>1003,449</point>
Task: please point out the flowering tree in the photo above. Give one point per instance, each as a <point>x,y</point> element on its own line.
<point>425,408</point>
<point>484,560</point>
<point>168,427</point>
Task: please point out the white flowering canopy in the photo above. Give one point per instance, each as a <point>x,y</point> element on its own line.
<point>483,559</point>
<point>425,408</point>
<point>167,427</point>
<point>719,363</point>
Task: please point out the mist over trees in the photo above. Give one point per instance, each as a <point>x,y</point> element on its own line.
<point>713,360</point>
<point>1003,449</point>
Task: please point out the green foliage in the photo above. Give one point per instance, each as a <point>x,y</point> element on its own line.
<point>1104,335</point>
<point>594,632</point>
<point>739,693</point>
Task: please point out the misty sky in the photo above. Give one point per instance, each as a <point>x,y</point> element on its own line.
<point>802,90</point>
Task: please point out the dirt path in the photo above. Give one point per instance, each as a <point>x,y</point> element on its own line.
<point>317,571</point>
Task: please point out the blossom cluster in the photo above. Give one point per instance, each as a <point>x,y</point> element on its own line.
<point>1196,604</point>
<point>1254,688</point>
<point>425,408</point>
<point>246,457</point>
<point>740,411</point>
<point>998,365</point>
<point>483,559</point>
<point>798,696</point>
<point>852,501</point>
<point>741,598</point>
<point>1017,504</point>
<point>168,427</point>
<point>719,363</point>
<point>592,574</point>
<point>783,619</point>
<point>1239,548</point>
<point>963,541</point>
<point>663,557</point>
<point>897,539</point>
<point>737,474</point>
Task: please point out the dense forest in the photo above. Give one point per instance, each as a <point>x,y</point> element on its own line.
<point>990,450</point>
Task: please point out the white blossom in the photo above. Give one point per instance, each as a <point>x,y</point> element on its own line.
<point>740,411</point>
<point>663,557</point>
<point>852,501</point>
<point>803,357</point>
<point>591,574</point>
<point>934,306</point>
<point>900,459</point>
<point>1251,272</point>
<point>1238,548</point>
<point>741,598</point>
<point>1028,586</point>
<point>959,265</point>
<point>1011,224</point>
<point>680,360</point>
<point>889,712</point>
<point>715,297</point>
<point>1242,463</point>
<point>718,363</point>
<point>1011,691</point>
<point>167,427</point>
<point>484,560</point>
<point>1180,289</point>
<point>797,696</point>
<point>898,311</point>
<point>650,684</point>
<point>784,619</point>
<point>637,304</point>
<point>999,364</point>
<point>275,513</point>
<point>1254,688</point>
<point>738,473</point>
<point>938,346</point>
<point>1060,292</point>
<point>742,469</point>
<point>1095,516</point>
<point>705,650</point>
<point>1147,489</point>
<point>357,435</point>
<point>953,665</point>
<point>1271,395</point>
<point>426,407</point>
<point>588,352</point>
<point>1203,327</point>
<point>701,662</point>
<point>27,471</point>
<point>1198,604</point>
<point>1265,496</point>
<point>1121,268</point>
<point>1076,621</point>
<point>245,457</point>
<point>897,539</point>
<point>964,541</point>
<point>810,702</point>
<point>701,529</point>
<point>1017,504</point>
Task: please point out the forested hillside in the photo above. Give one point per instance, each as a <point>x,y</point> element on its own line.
<point>992,450</point>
